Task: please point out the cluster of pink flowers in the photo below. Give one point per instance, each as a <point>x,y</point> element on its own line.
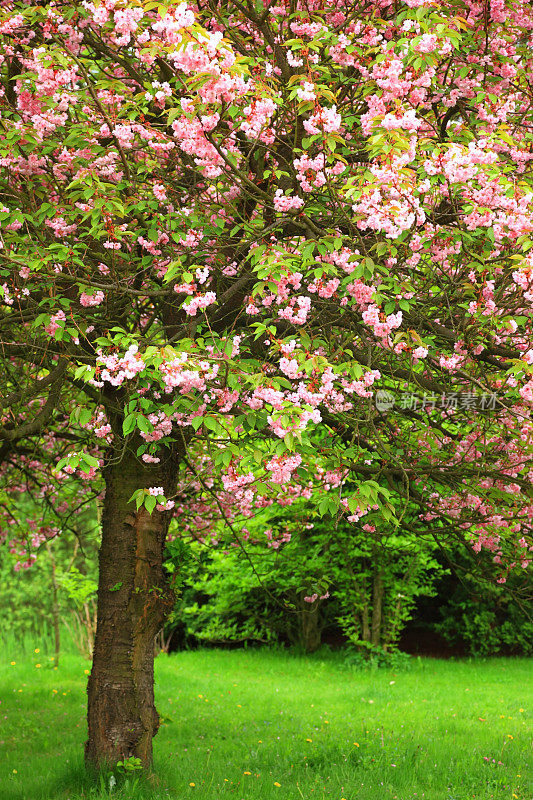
<point>126,23</point>
<point>286,203</point>
<point>289,367</point>
<point>184,374</point>
<point>274,541</point>
<point>310,169</point>
<point>162,426</point>
<point>324,120</point>
<point>170,26</point>
<point>168,505</point>
<point>282,467</point>
<point>382,327</point>
<point>297,311</point>
<point>361,292</point>
<point>117,369</point>
<point>232,481</point>
<point>199,302</point>
<point>95,299</point>
<point>257,117</point>
<point>312,598</point>
<point>324,289</point>
<point>54,323</point>
<point>102,431</point>
<point>192,238</point>
<point>306,92</point>
<point>361,387</point>
<point>150,459</point>
<point>298,422</point>
<point>408,121</point>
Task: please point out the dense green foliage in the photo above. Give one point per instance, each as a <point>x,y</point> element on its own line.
<point>486,620</point>
<point>60,588</point>
<point>368,586</point>
<point>226,602</point>
<point>365,587</point>
<point>257,596</point>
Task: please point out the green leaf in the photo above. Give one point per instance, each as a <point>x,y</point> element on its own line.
<point>84,416</point>
<point>150,503</point>
<point>144,424</point>
<point>289,441</point>
<point>129,424</point>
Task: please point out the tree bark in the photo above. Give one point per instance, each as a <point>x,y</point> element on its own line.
<point>133,600</point>
<point>364,622</point>
<point>377,602</point>
<point>309,627</point>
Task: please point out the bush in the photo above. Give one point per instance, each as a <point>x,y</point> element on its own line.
<point>487,619</point>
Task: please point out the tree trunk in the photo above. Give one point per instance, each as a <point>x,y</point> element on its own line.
<point>133,600</point>
<point>377,602</point>
<point>364,623</point>
<point>309,628</point>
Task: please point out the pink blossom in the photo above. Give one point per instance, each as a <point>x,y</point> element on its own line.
<point>199,302</point>
<point>92,300</point>
<point>286,203</point>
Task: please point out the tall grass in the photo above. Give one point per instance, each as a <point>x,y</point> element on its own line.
<point>263,725</point>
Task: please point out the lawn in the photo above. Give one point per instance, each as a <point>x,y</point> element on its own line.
<point>268,725</point>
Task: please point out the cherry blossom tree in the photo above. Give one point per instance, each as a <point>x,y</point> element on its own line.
<point>224,227</point>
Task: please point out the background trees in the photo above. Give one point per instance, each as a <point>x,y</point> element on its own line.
<point>224,600</point>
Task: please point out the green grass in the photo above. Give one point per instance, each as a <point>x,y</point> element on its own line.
<point>238,723</point>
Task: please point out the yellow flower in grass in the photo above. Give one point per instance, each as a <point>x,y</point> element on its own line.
<point>13,663</point>
<point>192,784</point>
<point>37,666</point>
<point>246,773</point>
<point>277,784</point>
<point>36,650</point>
